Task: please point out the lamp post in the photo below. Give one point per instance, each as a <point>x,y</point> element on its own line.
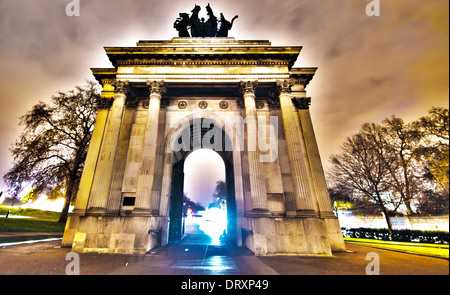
<point>183,216</point>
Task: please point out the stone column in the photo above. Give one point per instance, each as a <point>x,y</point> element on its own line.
<point>103,173</point>
<point>256,169</point>
<point>297,154</point>
<point>148,159</point>
<point>317,174</point>
<point>84,189</point>
<point>115,191</point>
<point>85,186</point>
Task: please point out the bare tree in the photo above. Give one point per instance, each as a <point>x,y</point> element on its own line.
<point>434,147</point>
<point>396,162</point>
<point>360,166</point>
<point>219,196</point>
<point>402,161</point>
<point>50,153</point>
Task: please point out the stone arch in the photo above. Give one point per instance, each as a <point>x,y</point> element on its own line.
<point>201,130</point>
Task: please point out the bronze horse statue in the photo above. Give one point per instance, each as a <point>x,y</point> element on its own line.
<point>225,26</point>
<point>194,22</point>
<point>200,28</point>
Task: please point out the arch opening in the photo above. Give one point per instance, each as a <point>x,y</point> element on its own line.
<point>205,196</point>
<point>196,174</point>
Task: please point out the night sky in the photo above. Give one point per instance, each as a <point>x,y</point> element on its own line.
<point>369,67</point>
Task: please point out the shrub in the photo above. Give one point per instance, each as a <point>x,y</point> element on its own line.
<point>404,235</point>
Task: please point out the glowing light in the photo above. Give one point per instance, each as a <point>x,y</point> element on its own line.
<point>218,263</point>
<point>214,224</point>
<point>43,203</point>
<point>24,192</point>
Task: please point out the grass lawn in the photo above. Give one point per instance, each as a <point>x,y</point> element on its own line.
<point>30,225</point>
<point>438,250</point>
<point>26,229</point>
<point>26,224</point>
<point>18,211</point>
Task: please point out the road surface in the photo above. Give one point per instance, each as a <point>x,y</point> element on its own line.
<point>194,256</point>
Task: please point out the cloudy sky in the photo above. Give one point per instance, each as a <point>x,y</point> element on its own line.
<point>369,67</point>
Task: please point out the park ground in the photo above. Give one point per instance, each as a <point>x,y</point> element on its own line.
<point>31,246</point>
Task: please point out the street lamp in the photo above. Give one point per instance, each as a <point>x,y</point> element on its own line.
<point>183,216</point>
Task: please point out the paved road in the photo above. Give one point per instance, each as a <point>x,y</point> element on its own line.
<point>193,257</point>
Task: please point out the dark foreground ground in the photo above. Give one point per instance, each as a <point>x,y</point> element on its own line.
<point>192,256</point>
<point>193,267</point>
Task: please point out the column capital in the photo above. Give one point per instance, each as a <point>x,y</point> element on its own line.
<point>284,86</point>
<point>248,86</point>
<point>301,103</point>
<point>120,86</point>
<point>156,87</point>
<point>107,81</point>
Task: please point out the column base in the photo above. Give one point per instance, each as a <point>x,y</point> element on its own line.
<point>96,211</point>
<point>259,213</point>
<point>141,212</point>
<point>334,233</point>
<point>327,215</point>
<point>287,236</point>
<point>78,212</point>
<point>307,213</point>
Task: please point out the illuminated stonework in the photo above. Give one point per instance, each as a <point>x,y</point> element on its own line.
<point>159,91</point>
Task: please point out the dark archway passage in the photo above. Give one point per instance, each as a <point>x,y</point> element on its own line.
<point>176,208</point>
<point>176,203</point>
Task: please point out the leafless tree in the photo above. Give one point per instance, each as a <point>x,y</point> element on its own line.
<point>50,153</point>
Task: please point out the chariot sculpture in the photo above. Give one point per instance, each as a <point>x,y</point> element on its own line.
<point>198,27</point>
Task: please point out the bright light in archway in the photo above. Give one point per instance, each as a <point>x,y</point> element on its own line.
<point>214,224</point>
<point>202,169</point>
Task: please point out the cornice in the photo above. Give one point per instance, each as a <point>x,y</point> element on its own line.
<point>201,62</point>
<point>203,78</point>
<point>302,76</point>
<point>104,74</point>
<point>203,52</point>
